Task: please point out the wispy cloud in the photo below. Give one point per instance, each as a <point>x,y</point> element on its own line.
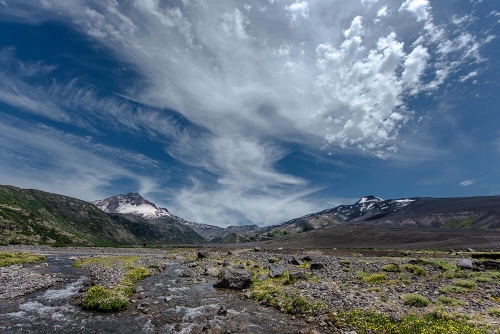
<point>252,81</point>
<point>467,183</point>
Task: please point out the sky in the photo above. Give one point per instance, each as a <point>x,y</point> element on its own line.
<point>250,112</point>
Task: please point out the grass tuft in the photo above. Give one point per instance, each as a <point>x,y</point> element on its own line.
<point>413,299</point>
<point>8,259</point>
<point>392,268</point>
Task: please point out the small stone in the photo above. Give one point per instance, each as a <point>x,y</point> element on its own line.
<point>202,255</point>
<point>296,261</point>
<point>316,266</point>
<point>139,289</point>
<point>222,311</point>
<point>167,299</point>
<point>257,249</point>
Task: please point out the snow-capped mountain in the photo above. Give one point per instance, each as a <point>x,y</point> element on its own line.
<point>132,203</point>
<point>366,208</point>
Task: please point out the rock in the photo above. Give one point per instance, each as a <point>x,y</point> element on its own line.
<point>187,273</point>
<point>470,250</point>
<point>490,264</point>
<point>279,248</point>
<point>226,263</point>
<point>238,266</point>
<point>232,278</point>
<point>316,266</point>
<point>464,263</point>
<point>271,260</point>
<point>257,249</point>
<point>406,253</point>
<point>138,289</point>
<point>298,275</point>
<point>295,261</point>
<point>306,258</point>
<point>412,261</point>
<point>167,299</point>
<point>202,255</point>
<point>45,264</point>
<point>222,311</point>
<point>276,270</point>
<point>73,258</point>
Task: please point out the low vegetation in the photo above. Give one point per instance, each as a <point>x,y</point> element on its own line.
<point>8,259</point>
<point>460,223</point>
<point>449,301</point>
<point>413,299</point>
<point>116,298</point>
<point>436,322</point>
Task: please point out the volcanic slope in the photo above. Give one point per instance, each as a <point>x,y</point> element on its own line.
<point>412,222</point>
<point>29,216</point>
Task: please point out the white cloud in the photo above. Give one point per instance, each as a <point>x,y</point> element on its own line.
<point>467,183</point>
<point>254,83</point>
<point>382,12</point>
<point>298,9</point>
<point>419,8</point>
<point>468,76</point>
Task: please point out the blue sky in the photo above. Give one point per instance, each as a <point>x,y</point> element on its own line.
<point>236,112</point>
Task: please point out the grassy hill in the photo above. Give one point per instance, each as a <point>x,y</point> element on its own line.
<point>30,216</point>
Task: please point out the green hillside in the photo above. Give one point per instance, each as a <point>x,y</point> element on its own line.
<point>36,217</point>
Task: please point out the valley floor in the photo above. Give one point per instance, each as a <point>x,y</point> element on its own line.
<point>317,291</point>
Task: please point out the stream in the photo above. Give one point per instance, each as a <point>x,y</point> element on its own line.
<point>168,305</point>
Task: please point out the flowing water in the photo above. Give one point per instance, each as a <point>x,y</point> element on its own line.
<point>191,308</point>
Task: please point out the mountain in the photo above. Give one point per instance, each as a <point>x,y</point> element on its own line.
<point>132,203</point>
<point>29,216</point>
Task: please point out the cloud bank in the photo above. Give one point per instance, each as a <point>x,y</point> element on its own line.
<point>255,80</point>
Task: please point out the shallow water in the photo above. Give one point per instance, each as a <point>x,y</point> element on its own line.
<point>193,308</point>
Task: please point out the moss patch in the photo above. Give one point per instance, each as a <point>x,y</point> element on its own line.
<point>8,259</point>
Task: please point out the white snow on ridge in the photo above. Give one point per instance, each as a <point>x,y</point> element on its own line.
<point>366,199</point>
<point>143,210</point>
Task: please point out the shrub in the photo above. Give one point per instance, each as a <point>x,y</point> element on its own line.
<point>445,300</point>
<point>453,289</point>
<point>415,269</point>
<point>494,312</point>
<point>484,279</point>
<point>375,279</point>
<point>102,299</point>
<point>392,267</point>
<point>466,284</point>
<point>413,299</point>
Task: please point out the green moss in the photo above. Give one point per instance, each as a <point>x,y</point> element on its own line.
<point>8,259</point>
<point>494,312</point>
<point>413,299</point>
<point>453,289</point>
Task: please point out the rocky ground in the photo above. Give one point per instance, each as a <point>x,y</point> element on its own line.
<point>329,285</point>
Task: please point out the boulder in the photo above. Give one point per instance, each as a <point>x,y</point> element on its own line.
<point>316,266</point>
<point>307,258</point>
<point>296,261</point>
<point>297,275</point>
<point>202,255</point>
<point>271,260</point>
<point>275,270</point>
<point>464,263</point>
<point>232,278</point>
<point>257,249</point>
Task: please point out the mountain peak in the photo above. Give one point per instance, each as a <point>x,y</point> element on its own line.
<point>132,203</point>
<point>369,199</point>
